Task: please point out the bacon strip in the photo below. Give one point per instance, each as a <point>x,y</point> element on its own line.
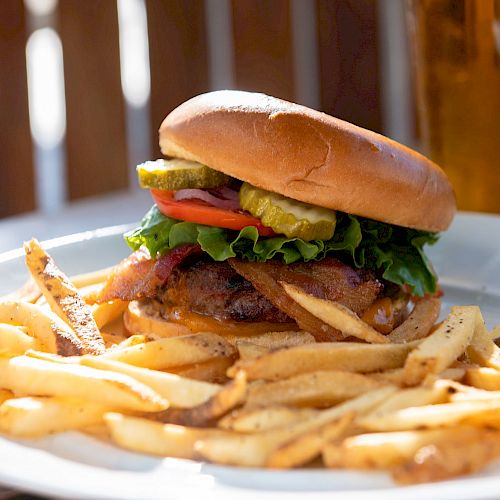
<point>138,276</point>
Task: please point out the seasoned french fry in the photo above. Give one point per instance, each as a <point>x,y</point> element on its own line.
<point>29,292</point>
<point>53,334</point>
<point>107,312</point>
<point>275,340</point>
<point>383,450</point>
<point>213,371</point>
<point>463,452</point>
<point>435,415</point>
<point>216,406</point>
<point>262,419</point>
<point>419,323</point>
<point>482,348</point>
<point>248,350</point>
<point>254,450</point>
<point>180,392</point>
<point>438,351</point>
<point>90,293</point>
<point>166,353</point>
<point>31,417</point>
<point>306,447</point>
<point>15,341</point>
<point>343,356</point>
<point>405,398</point>
<point>32,376</point>
<point>336,315</point>
<point>63,297</point>
<point>155,438</point>
<point>316,389</point>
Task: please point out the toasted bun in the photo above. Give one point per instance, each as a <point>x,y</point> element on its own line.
<point>311,157</point>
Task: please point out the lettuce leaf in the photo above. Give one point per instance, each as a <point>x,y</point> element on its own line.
<point>396,252</point>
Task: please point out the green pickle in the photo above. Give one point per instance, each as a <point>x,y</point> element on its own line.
<point>286,216</point>
<point>177,174</point>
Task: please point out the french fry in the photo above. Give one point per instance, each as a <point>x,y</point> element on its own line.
<point>440,349</point>
<point>405,398</point>
<point>316,389</point>
<point>435,415</point>
<point>155,438</point>
<point>90,293</point>
<point>63,297</point>
<point>343,356</point>
<point>15,341</point>
<point>170,352</point>
<point>216,406</point>
<point>180,392</point>
<point>262,419</point>
<point>495,333</point>
<point>107,312</point>
<point>213,371</point>
<point>336,315</point>
<point>254,450</point>
<point>29,292</point>
<point>483,378</point>
<point>464,452</point>
<point>384,450</point>
<point>248,350</point>
<point>5,394</point>
<point>32,376</point>
<point>275,340</point>
<point>482,349</point>
<point>419,323</point>
<point>53,334</point>
<point>31,417</point>
<point>306,447</point>
<point>91,278</point>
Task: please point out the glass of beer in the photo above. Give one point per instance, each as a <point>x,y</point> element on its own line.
<point>456,59</point>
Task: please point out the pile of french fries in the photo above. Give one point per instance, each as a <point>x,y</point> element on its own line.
<point>422,402</point>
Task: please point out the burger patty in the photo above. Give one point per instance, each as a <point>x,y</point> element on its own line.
<point>216,289</point>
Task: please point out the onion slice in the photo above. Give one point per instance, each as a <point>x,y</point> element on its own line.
<point>228,200</point>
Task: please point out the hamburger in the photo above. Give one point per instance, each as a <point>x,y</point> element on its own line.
<point>255,191</point>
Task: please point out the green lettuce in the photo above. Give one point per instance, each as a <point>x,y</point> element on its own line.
<point>395,252</point>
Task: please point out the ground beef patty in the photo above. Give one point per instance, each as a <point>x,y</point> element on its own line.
<point>216,289</point>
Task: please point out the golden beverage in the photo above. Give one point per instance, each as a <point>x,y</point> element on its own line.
<point>456,53</point>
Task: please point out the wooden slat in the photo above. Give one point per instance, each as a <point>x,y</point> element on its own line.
<point>96,144</point>
<point>178,56</point>
<point>16,169</point>
<point>263,58</point>
<point>347,33</point>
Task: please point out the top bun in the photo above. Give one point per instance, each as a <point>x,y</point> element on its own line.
<point>311,157</point>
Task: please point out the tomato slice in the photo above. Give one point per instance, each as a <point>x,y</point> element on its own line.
<point>201,213</point>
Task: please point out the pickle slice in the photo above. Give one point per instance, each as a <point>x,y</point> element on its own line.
<point>177,174</point>
<point>286,216</point>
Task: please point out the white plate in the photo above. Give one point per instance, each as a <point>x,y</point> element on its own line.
<point>71,465</point>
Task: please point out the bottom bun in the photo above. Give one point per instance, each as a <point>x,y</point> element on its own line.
<point>149,317</point>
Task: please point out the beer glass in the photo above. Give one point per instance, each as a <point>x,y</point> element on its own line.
<point>455,48</point>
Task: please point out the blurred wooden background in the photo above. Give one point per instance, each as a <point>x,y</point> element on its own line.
<point>269,51</point>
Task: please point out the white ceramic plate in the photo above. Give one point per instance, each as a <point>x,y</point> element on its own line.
<point>72,465</point>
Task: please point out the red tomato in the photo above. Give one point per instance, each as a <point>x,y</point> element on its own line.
<point>201,213</point>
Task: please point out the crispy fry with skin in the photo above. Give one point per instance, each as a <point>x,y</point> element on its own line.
<point>343,356</point>
<point>180,392</point>
<point>464,452</point>
<point>308,446</point>
<point>317,389</point>
<point>166,353</point>
<point>205,414</point>
<point>31,417</point>
<point>419,323</point>
<point>440,349</point>
<point>262,419</point>
<point>63,297</point>
<point>52,333</point>
<point>482,349</point>
<point>155,438</point>
<point>26,375</point>
<point>213,370</point>
<point>336,315</point>
<point>483,378</point>
<point>254,450</point>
